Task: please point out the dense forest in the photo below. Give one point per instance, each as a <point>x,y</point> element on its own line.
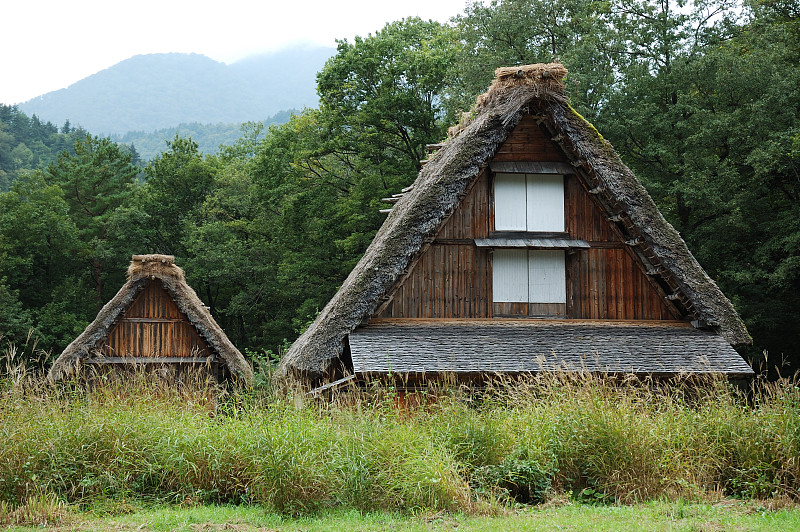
<point>701,99</point>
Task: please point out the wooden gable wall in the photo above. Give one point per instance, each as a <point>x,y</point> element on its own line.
<point>452,278</point>
<point>154,326</point>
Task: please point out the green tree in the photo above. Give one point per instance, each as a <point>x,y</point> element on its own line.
<point>97,180</point>
<point>27,144</point>
<point>708,116</point>
<point>178,181</point>
<point>15,320</point>
<point>518,32</point>
<point>39,250</point>
<point>382,97</point>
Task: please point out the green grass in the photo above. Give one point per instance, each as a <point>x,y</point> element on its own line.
<point>602,441</point>
<point>655,516</point>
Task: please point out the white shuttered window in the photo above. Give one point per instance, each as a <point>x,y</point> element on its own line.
<point>529,202</point>
<point>547,278</point>
<point>510,275</point>
<point>529,276</point>
<point>510,199</point>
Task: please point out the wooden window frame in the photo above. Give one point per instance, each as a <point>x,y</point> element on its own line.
<point>517,295</point>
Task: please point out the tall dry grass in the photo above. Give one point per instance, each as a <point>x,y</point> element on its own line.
<point>594,437</point>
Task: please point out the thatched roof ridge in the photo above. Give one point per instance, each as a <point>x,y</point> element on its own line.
<point>444,180</point>
<point>143,269</point>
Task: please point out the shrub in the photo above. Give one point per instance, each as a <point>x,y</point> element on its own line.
<point>516,478</point>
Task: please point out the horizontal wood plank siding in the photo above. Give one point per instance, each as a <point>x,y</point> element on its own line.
<point>532,310</point>
<point>549,310</point>
<point>529,142</point>
<point>154,326</point>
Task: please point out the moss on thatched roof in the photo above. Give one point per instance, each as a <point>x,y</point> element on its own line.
<point>143,270</point>
<point>442,182</point>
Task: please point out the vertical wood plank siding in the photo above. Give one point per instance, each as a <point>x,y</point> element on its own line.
<point>452,278</point>
<point>153,326</point>
<point>605,283</point>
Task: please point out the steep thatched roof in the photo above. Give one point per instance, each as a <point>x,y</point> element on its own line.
<point>143,270</point>
<point>443,181</point>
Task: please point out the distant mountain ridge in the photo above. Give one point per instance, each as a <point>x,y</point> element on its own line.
<point>158,91</point>
<point>209,137</point>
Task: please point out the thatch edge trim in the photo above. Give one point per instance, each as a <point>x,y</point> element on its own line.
<point>661,237</point>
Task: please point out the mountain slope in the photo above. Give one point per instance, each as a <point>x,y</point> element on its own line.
<point>208,137</point>
<point>156,91</point>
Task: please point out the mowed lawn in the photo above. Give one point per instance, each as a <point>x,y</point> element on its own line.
<point>565,515</point>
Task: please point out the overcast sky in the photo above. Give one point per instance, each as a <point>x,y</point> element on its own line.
<point>46,45</point>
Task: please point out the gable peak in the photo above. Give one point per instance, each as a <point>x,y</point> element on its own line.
<point>154,265</point>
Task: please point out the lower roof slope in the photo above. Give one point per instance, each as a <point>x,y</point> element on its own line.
<point>144,269</point>
<point>476,347</point>
<point>442,183</point>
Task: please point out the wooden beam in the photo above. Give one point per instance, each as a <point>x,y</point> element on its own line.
<point>531,167</point>
<point>430,148</point>
<point>316,391</point>
<point>150,360</point>
<point>151,320</point>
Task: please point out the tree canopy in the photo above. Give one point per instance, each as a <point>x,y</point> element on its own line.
<point>699,98</point>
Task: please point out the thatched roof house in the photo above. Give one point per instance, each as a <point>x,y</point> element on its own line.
<point>525,244</point>
<point>155,319</point>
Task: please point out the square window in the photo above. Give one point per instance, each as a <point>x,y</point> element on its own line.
<point>529,276</point>
<point>529,202</point>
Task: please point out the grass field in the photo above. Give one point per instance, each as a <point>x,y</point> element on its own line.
<point>727,515</point>
<point>608,452</point>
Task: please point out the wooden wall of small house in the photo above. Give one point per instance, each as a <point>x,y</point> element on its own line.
<point>452,278</point>
<point>154,326</point>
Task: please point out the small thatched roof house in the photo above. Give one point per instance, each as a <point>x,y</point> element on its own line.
<point>156,319</point>
<point>525,244</point>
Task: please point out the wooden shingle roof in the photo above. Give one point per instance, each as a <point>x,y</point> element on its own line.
<point>477,347</point>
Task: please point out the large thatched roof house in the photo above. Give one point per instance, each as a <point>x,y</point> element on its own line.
<point>525,244</point>
<point>155,320</point>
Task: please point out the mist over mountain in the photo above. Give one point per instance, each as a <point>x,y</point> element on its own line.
<point>157,91</point>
